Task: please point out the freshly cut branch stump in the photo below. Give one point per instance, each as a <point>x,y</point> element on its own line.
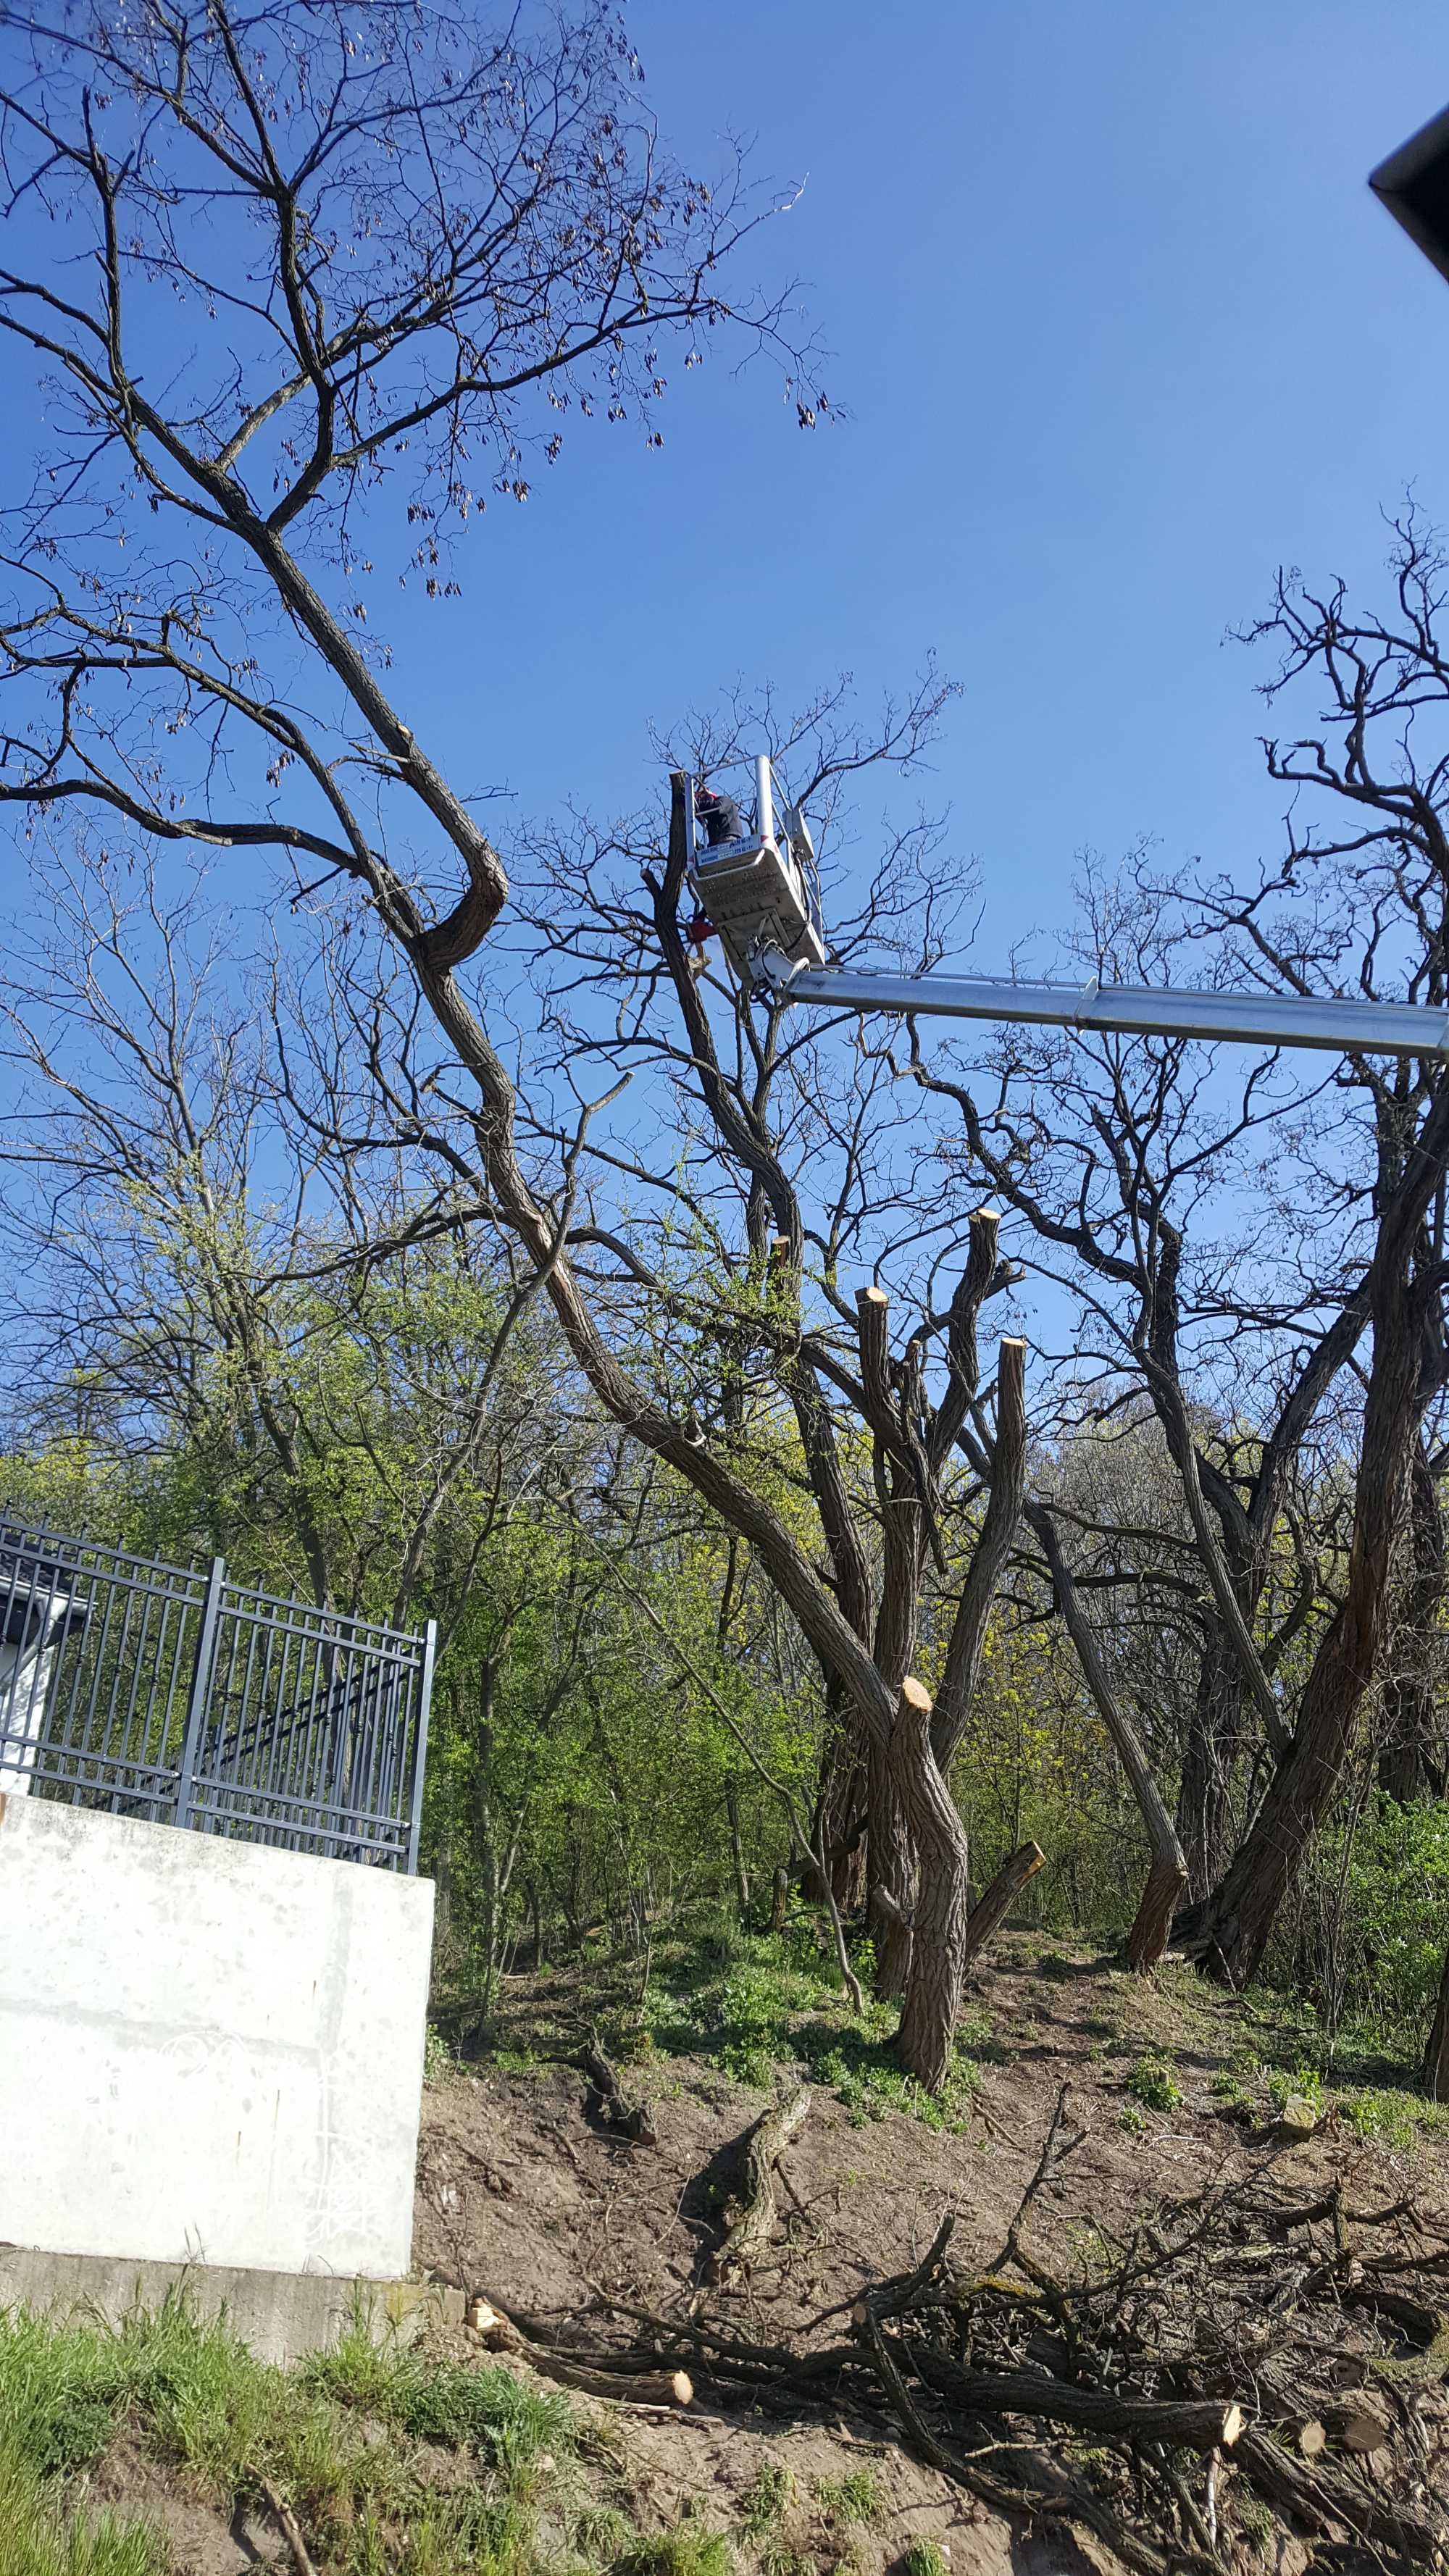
<point>760,2150</point>
<point>624,2387</point>
<point>1357,2426</point>
<point>631,2119</point>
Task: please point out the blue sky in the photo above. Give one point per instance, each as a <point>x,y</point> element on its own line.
<point>1119,326</point>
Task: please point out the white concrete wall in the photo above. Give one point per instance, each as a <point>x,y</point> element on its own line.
<point>209,2052</point>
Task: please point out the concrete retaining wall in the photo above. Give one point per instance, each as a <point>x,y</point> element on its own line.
<point>280,2315</point>
<point>210,2052</point>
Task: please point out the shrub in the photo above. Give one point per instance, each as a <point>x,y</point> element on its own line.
<point>1153,2081</point>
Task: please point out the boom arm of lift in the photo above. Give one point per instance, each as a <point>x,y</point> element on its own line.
<point>1140,1010</point>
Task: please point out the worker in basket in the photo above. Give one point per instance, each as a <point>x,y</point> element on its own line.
<point>723,822</point>
<point>720,816</point>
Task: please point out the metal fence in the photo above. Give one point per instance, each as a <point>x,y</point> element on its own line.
<point>172,1694</point>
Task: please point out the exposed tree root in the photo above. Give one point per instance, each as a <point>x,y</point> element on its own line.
<point>612,2106</point>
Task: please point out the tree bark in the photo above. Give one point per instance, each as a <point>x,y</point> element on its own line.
<point>942,1913</point>
<point>1204,1807</point>
<point>1436,2054</point>
<point>1408,1767</point>
<point>760,2151</point>
<point>988,1915</point>
<point>894,1846</point>
<point>1152,1923</point>
<point>841,1806</point>
<point>1168,1875</point>
<point>998,1532</point>
<point>1239,1920</point>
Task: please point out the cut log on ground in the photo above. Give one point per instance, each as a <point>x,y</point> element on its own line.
<point>1356,2427</point>
<point>624,2388</point>
<point>759,2150</point>
<point>1184,2423</point>
<point>1160,2398</point>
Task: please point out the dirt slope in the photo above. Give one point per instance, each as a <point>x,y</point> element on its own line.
<point>523,2199</point>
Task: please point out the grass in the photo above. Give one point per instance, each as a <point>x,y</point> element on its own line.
<point>395,2462</point>
<point>38,2538</point>
<point>851,2501</point>
<point>927,2558</point>
<point>766,2501</point>
<point>690,2549</point>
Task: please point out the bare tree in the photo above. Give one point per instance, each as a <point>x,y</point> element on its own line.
<point>364,232</point>
<point>199,1261</point>
<point>406,231</point>
<point>1245,1340</point>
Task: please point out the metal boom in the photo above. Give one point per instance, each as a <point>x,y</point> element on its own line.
<point>1131,1010</point>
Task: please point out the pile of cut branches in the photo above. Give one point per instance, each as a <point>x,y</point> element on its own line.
<point>1245,2362</point>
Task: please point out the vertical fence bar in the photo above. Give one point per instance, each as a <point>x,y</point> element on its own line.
<point>200,1697</point>
<point>420,1744</point>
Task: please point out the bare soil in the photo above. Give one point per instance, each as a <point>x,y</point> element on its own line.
<point>523,2199</point>
<point>203,2541</point>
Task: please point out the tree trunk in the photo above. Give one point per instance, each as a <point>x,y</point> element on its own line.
<point>1436,2055</point>
<point>1239,1919</point>
<point>842,1799</point>
<point>892,1872</point>
<point>1152,1925</point>
<point>943,1910</point>
<point>737,1851</point>
<point>1204,1798</point>
<point>1168,1875</point>
<point>1408,1767</point>
<point>990,1912</point>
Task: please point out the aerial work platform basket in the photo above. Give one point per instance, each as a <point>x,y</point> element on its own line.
<point>762,890</point>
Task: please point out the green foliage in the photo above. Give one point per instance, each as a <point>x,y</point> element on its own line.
<point>766,2500</point>
<point>1152,2081</point>
<point>927,2558</point>
<point>1395,2117</point>
<point>688,2550</point>
<point>1370,1926</point>
<point>754,2009</point>
<point>852,2501</point>
<point>1236,2095</point>
<point>347,2437</point>
<point>1304,2081</point>
<point>37,2538</point>
<point>438,2058</point>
